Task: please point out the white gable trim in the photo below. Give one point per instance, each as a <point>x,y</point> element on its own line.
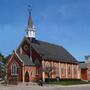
<point>19,57</point>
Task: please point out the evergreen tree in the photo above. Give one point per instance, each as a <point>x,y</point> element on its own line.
<point>3,58</point>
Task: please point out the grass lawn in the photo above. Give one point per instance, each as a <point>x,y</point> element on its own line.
<point>68,82</point>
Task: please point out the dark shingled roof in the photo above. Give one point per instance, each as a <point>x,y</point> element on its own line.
<point>26,60</point>
<point>51,51</point>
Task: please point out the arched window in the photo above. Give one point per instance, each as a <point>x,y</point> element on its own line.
<point>14,69</point>
<point>47,67</point>
<point>47,64</point>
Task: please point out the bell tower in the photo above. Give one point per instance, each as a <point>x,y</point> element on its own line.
<point>30,31</point>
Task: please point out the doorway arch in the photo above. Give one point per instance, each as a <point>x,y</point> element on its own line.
<point>26,76</point>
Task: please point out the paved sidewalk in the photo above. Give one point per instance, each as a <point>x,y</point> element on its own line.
<point>31,86</point>
<point>28,84</point>
<point>35,86</point>
<point>47,85</point>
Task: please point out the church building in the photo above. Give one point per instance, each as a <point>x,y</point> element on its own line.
<point>35,59</point>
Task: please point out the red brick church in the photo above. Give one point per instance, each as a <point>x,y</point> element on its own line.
<point>33,58</point>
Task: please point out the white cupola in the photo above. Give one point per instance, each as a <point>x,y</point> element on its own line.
<point>30,31</point>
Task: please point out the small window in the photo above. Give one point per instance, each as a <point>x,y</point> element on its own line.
<point>14,69</point>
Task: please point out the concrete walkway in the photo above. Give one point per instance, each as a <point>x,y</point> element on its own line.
<point>33,84</point>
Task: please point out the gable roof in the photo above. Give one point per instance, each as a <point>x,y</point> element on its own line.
<point>51,51</point>
<point>26,60</point>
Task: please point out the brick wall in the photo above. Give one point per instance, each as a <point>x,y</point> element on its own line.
<point>62,73</point>
<point>19,64</point>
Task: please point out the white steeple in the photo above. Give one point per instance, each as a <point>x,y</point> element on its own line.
<point>30,31</point>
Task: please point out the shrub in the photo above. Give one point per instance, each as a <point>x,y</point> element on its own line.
<point>60,80</point>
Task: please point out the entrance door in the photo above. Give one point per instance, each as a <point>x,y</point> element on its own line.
<point>26,77</point>
<point>84,74</point>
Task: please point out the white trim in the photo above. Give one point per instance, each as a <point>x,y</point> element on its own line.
<point>23,65</point>
<point>18,57</point>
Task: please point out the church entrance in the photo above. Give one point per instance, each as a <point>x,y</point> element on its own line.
<point>26,77</point>
<point>84,74</point>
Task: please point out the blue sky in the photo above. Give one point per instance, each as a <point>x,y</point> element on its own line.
<point>62,22</point>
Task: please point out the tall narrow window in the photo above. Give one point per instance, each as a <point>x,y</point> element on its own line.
<point>62,70</point>
<point>47,67</point>
<point>37,66</point>
<point>56,70</point>
<point>14,69</point>
<point>74,71</point>
<point>69,70</point>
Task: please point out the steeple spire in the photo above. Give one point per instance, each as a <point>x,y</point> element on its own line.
<point>30,23</point>
<point>30,27</point>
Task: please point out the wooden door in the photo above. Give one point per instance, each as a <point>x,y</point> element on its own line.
<point>26,77</point>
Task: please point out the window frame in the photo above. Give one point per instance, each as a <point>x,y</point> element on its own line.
<point>14,69</point>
